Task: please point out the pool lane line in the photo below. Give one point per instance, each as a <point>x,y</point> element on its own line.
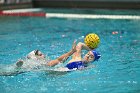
<point>62,15</point>
<point>91,16</point>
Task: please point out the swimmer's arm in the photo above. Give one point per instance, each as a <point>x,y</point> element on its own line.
<point>63,57</point>
<point>81,46</point>
<point>60,59</point>
<point>84,46</point>
<point>77,55</point>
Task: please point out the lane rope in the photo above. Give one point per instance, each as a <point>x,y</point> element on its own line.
<point>86,16</point>
<point>38,13</point>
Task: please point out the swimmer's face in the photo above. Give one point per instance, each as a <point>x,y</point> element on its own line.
<point>89,57</point>
<point>39,54</point>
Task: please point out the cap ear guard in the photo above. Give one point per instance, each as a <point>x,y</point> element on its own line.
<point>96,55</point>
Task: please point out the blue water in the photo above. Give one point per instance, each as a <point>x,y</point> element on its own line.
<point>117,71</point>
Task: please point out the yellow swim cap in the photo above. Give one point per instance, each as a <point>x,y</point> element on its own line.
<point>92,40</point>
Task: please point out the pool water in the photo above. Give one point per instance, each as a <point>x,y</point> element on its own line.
<point>117,71</point>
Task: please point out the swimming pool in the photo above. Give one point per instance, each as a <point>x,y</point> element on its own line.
<point>117,71</point>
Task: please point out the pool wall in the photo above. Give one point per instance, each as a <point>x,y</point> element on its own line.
<point>110,4</point>
<point>15,4</point>
<point>102,4</point>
